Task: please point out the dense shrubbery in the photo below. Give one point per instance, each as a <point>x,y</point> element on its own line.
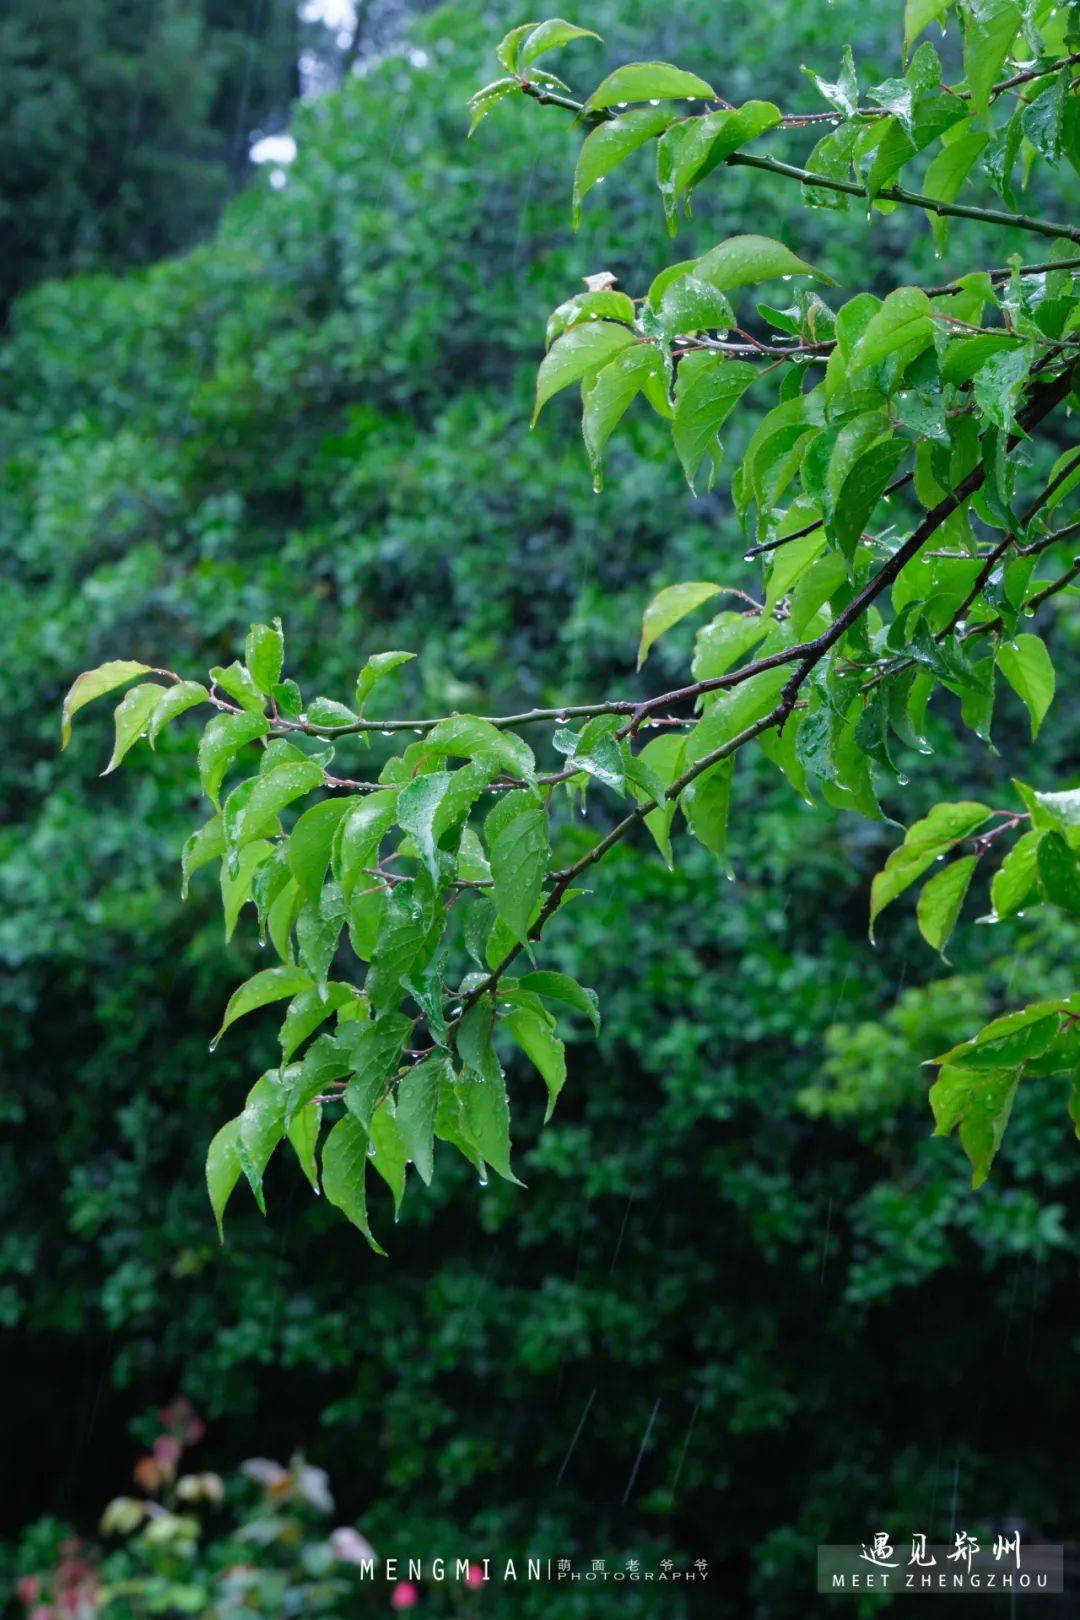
<point>732,1215</point>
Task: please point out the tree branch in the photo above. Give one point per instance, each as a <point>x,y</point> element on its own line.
<point>852,188</point>
<point>900,194</point>
<point>808,655</point>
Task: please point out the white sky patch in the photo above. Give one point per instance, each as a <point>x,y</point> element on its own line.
<point>273,149</point>
<point>338,15</point>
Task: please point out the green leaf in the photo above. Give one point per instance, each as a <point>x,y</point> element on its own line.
<point>374,1050</point>
<point>725,639</point>
<point>516,833</point>
<point>941,899</point>
<point>607,395</point>
<point>303,1133</point>
<point>1016,877</point>
<point>388,1152</point>
<point>272,984</point>
<point>1044,119</point>
<point>707,389</point>
<point>175,701</point>
<point>547,36</point>
<point>790,562</point>
<point>323,711</point>
<point>236,681</point>
<point>844,93</point>
<point>361,835</point>
<point>508,49</point>
<point>858,495</point>
<point>1064,807</point>
<point>264,655</point>
<point>310,1009</point>
<point>562,988</point>
<point>538,1040</point>
<point>344,1167</point>
<point>578,354</point>
<point>648,81</point>
<point>656,766</point>
<point>744,259</point>
<point>705,802</point>
<point>223,1170</point>
<point>1000,382</point>
<point>281,918</point>
<point>595,750</point>
<point>204,846</point>
<point>1009,1040</point>
<point>709,140</point>
<point>609,143</point>
<point>670,605</point>
<point>979,1104</point>
<point>417,1104</point>
<point>919,14</point>
<point>485,1108</point>
<point>271,793</point>
<point>487,98</point>
<point>222,740</point>
<point>902,322</point>
<point>467,736</point>
<point>689,305</point>
<point>1059,869</point>
<point>377,667</point>
<point>418,805</point>
<point>945,176</point>
<point>1026,665</point>
<point>602,304</point>
<point>324,1062</point>
<point>311,841</point>
<point>94,683</point>
<point>937,833</point>
<point>262,1126</point>
<point>131,719</point>
<point>402,932</point>
<point>990,26</point>
<point>318,929</point>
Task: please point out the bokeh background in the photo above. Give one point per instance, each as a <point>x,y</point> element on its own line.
<point>746,1303</point>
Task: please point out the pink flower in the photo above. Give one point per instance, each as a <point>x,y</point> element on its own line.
<point>404,1596</point>
<point>474,1576</point>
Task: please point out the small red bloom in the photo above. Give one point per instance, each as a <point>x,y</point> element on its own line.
<point>404,1596</point>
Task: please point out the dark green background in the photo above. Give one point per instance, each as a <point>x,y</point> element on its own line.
<point>737,1211</point>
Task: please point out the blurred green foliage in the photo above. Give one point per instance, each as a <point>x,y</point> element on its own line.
<point>737,1221</point>
<point>125,127</point>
